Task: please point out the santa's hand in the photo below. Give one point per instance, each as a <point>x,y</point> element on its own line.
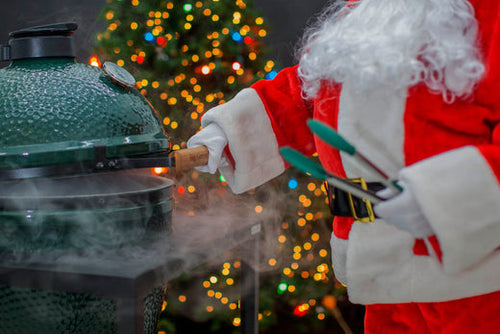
<point>215,140</point>
<point>403,211</point>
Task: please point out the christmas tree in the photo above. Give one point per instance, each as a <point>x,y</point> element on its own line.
<point>187,57</point>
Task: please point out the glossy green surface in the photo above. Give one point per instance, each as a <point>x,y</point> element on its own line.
<point>28,311</point>
<point>54,110</point>
<point>98,212</point>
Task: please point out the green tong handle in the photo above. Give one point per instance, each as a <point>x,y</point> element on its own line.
<point>331,137</point>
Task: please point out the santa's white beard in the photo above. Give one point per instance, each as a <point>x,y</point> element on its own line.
<point>394,43</point>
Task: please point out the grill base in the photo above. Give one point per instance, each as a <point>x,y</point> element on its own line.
<point>27,311</point>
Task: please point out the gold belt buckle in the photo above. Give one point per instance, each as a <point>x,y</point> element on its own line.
<point>368,204</point>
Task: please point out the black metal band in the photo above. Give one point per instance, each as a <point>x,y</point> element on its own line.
<point>42,47</point>
<point>100,164</point>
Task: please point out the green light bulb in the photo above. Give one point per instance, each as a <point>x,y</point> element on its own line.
<point>282,287</point>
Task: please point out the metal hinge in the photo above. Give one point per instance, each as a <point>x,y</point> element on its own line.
<point>4,52</point>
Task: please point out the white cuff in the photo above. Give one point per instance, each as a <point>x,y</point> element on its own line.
<point>381,268</point>
<point>339,258</point>
<point>459,195</point>
<point>251,141</point>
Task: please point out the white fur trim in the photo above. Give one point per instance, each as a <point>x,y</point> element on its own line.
<point>339,257</point>
<point>460,196</point>
<point>251,139</point>
<point>381,268</point>
<point>372,122</point>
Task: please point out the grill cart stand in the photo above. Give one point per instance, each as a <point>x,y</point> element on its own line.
<point>123,286</point>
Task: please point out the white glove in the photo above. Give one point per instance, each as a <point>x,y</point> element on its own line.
<point>403,211</point>
<point>215,140</point>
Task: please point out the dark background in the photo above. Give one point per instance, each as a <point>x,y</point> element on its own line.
<point>286,18</point>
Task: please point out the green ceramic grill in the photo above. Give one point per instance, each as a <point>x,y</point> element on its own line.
<point>74,142</point>
<point>55,111</point>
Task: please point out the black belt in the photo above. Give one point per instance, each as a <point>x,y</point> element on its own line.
<point>343,204</point>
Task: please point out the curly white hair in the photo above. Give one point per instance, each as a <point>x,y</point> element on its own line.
<point>397,43</point>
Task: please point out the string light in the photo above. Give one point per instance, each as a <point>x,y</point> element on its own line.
<point>236,36</point>
<point>94,61</point>
<point>282,288</point>
<point>301,310</point>
<point>206,70</point>
<point>236,66</point>
<point>159,170</point>
<point>271,75</point>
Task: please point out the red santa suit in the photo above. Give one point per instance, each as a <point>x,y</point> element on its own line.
<point>449,153</point>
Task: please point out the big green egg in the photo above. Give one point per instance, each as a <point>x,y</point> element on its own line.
<point>54,110</point>
<point>55,114</point>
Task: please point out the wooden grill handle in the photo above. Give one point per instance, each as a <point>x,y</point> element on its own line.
<point>190,157</point>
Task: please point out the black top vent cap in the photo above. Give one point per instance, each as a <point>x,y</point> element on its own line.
<point>61,29</point>
<point>52,40</point>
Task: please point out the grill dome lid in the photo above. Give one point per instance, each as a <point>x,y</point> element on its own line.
<point>56,111</point>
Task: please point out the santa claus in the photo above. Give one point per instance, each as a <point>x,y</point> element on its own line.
<point>414,85</point>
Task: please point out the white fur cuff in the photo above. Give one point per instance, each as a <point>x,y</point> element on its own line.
<point>251,139</point>
<point>460,197</point>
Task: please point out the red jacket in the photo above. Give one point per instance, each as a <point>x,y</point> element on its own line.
<point>448,153</point>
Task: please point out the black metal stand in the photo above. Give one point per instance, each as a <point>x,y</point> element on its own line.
<point>250,289</point>
<point>127,281</point>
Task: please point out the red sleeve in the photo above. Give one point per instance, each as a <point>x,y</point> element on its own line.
<point>488,15</point>
<point>287,110</point>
